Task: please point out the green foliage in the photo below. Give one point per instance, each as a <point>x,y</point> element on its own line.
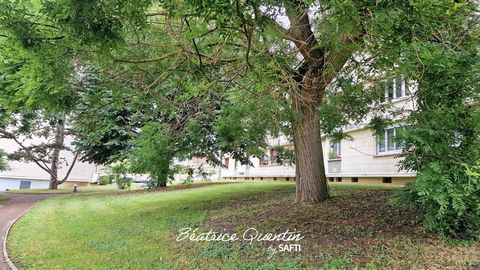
<point>450,198</point>
<point>152,153</point>
<point>442,135</point>
<point>119,175</point>
<point>3,162</point>
<point>119,171</point>
<point>285,155</point>
<point>105,180</point>
<point>105,120</point>
<point>123,182</point>
<point>97,21</point>
<point>36,63</point>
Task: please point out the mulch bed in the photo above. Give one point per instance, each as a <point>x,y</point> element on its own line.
<point>359,224</point>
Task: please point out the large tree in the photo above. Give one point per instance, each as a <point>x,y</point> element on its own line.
<point>40,139</point>
<point>267,67</point>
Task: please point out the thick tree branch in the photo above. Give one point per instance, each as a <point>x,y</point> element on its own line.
<point>302,35</point>
<point>32,158</point>
<point>69,169</point>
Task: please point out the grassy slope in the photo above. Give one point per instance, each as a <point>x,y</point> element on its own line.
<point>138,230</point>
<point>115,232</point>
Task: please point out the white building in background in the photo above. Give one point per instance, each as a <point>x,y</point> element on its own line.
<point>22,175</point>
<point>362,159</point>
<point>201,170</point>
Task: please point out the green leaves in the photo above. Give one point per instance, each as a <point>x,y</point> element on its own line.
<point>443,132</point>
<point>3,161</point>
<point>152,153</point>
<point>450,199</point>
<point>97,22</point>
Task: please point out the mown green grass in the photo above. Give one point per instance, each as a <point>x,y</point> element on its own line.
<point>69,189</point>
<point>137,230</point>
<point>129,231</point>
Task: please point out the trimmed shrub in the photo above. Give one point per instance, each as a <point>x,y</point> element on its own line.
<point>105,180</point>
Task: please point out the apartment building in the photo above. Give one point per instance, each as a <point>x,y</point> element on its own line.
<point>365,158</point>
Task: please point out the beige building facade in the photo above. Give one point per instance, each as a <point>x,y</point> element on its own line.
<point>363,158</point>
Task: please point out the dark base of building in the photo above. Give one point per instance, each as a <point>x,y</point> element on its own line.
<point>397,181</point>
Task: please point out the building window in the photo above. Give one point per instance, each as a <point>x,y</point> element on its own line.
<point>387,180</point>
<point>335,150</point>
<point>273,157</point>
<point>395,88</point>
<point>354,179</point>
<point>388,144</point>
<point>264,160</point>
<point>225,162</point>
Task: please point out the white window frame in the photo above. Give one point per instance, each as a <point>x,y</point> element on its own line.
<point>273,157</point>
<point>336,147</point>
<point>396,149</point>
<point>265,160</point>
<point>394,89</point>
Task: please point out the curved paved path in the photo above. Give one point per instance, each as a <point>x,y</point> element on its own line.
<point>11,209</point>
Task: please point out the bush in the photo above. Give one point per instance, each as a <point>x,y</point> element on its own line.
<point>105,180</point>
<point>450,198</point>
<point>124,182</point>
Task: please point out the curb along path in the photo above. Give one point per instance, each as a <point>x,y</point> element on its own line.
<point>13,208</point>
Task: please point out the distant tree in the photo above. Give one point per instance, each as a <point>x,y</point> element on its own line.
<point>152,153</point>
<point>39,139</point>
<point>104,119</point>
<point>120,175</point>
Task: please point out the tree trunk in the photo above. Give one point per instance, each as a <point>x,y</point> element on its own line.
<point>310,171</point>
<point>311,181</point>
<point>58,145</point>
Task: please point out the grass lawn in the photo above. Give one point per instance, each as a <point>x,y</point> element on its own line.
<point>138,230</point>
<point>81,189</point>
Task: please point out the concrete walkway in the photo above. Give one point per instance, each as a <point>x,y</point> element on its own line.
<point>11,209</point>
